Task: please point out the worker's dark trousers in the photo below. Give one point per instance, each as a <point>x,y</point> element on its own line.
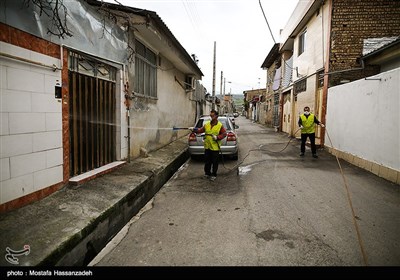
<point>312,141</point>
<point>211,159</point>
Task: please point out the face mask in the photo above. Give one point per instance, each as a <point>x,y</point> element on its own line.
<point>306,113</point>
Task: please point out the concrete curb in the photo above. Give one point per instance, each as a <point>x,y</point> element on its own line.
<point>71,226</point>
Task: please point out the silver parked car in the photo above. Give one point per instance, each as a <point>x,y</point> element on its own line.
<point>231,116</point>
<point>229,145</point>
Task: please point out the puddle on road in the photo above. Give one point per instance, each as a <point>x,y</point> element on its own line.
<point>243,170</point>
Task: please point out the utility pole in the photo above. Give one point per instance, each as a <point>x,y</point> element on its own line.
<point>213,84</point>
<point>224,85</point>
<point>220,90</point>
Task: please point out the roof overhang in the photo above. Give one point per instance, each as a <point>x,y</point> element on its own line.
<point>384,54</point>
<point>154,31</point>
<point>271,57</point>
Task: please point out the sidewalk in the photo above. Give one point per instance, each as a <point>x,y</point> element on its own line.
<point>71,226</point>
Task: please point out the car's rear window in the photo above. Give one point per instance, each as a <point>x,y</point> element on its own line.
<point>224,122</point>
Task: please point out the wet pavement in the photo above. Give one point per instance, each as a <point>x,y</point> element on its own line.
<point>71,226</point>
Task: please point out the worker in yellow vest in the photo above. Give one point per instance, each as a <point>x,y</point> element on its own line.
<point>214,133</point>
<point>307,123</point>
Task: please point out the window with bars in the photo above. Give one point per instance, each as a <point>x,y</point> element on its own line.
<point>86,65</point>
<point>300,86</point>
<point>145,71</point>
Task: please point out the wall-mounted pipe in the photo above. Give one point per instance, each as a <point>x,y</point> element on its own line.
<point>53,67</point>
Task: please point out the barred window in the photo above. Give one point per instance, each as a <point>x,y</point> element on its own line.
<point>300,86</point>
<point>145,71</point>
<point>89,66</point>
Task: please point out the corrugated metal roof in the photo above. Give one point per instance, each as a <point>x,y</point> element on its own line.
<point>155,17</point>
<point>373,44</point>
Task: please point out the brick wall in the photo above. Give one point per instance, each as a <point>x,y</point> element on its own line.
<point>352,22</point>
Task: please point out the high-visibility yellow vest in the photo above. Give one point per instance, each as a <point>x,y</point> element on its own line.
<point>308,124</point>
<point>209,143</point>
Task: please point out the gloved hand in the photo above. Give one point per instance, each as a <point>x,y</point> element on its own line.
<point>214,137</point>
<point>301,127</point>
<point>322,125</point>
<point>194,129</point>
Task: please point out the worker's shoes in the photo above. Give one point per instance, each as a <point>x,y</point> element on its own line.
<point>314,156</point>
<point>212,178</point>
<point>302,154</point>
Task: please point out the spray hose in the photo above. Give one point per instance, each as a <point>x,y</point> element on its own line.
<point>360,242</point>
<point>236,167</point>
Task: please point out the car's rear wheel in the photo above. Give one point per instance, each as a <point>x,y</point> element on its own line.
<point>235,156</point>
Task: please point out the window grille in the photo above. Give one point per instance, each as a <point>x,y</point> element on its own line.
<point>145,71</point>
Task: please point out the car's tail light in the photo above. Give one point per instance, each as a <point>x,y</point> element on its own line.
<point>192,137</point>
<point>231,136</point>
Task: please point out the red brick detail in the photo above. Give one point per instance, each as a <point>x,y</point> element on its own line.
<point>65,116</point>
<point>27,199</point>
<point>25,40</point>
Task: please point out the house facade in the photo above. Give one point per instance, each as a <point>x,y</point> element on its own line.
<point>322,46</point>
<point>88,95</point>
<point>272,64</point>
<point>254,103</point>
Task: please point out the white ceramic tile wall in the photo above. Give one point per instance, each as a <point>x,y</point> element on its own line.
<point>54,157</point>
<point>4,129</point>
<point>15,51</point>
<point>45,103</point>
<point>29,163</point>
<point>47,177</point>
<point>31,154</point>
<point>24,80</point>
<point>31,123</point>
<point>53,121</point>
<point>50,82</point>
<point>15,101</point>
<point>16,144</point>
<point>46,141</point>
<point>4,169</point>
<point>27,122</point>
<point>16,187</point>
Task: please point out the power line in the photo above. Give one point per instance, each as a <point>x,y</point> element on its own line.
<point>272,35</point>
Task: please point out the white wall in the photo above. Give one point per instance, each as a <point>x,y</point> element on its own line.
<point>31,152</point>
<point>363,119</point>
<point>152,120</point>
<point>313,57</point>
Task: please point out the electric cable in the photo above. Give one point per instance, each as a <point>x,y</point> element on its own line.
<point>360,242</point>
<point>236,167</point>
<point>272,35</point>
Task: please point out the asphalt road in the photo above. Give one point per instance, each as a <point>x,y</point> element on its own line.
<point>269,208</point>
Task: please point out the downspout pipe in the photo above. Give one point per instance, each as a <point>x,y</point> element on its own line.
<point>127,103</point>
<point>326,71</point>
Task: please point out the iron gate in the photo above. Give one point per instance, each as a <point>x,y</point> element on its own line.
<point>92,112</point>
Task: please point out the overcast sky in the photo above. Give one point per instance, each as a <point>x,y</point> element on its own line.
<point>238,27</point>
